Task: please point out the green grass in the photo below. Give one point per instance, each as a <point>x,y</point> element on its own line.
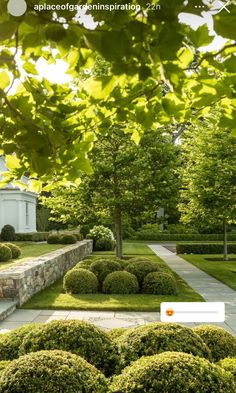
<point>222,271</point>
<point>131,249</point>
<point>54,298</point>
<point>30,250</point>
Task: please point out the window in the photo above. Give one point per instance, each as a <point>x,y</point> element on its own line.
<point>27,213</point>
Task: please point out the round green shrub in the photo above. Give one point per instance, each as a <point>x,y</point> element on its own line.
<point>54,239</point>
<point>100,232</point>
<point>78,337</point>
<point>159,283</point>
<point>120,283</point>
<point>84,264</point>
<point>104,245</point>
<point>229,364</point>
<point>102,267</point>
<point>52,372</point>
<point>68,239</point>
<point>80,281</point>
<point>8,233</point>
<point>141,268</point>
<point>221,343</point>
<point>5,253</point>
<point>10,342</point>
<point>15,250</point>
<point>173,372</point>
<point>158,337</point>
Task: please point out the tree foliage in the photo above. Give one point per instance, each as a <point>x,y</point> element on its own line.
<point>156,76</point>
<point>127,179</point>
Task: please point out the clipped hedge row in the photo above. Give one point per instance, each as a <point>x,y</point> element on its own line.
<point>204,248</point>
<point>157,236</point>
<point>31,237</point>
<point>62,239</point>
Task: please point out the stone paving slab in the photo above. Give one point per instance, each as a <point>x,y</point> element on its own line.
<point>208,287</point>
<point>106,320</point>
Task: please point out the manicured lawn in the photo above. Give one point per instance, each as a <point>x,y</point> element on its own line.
<point>30,250</point>
<point>54,298</point>
<point>131,249</point>
<point>222,271</point>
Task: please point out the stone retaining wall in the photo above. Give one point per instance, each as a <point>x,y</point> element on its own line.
<point>21,282</point>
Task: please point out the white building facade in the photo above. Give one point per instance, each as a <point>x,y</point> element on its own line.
<point>17,207</point>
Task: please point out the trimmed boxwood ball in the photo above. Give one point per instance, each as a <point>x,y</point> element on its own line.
<point>15,250</point>
<point>158,337</point>
<point>141,268</point>
<point>84,264</point>
<point>8,233</point>
<point>5,253</point>
<point>173,372</point>
<point>54,239</point>
<point>120,283</point>
<point>229,364</point>
<point>52,372</point>
<point>102,267</point>
<point>221,343</point>
<point>10,342</point>
<point>159,283</point>
<point>104,245</point>
<point>78,337</point>
<point>68,239</point>
<point>80,281</point>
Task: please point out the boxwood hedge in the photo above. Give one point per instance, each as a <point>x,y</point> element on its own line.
<point>78,337</point>
<point>141,268</point>
<point>173,372</point>
<point>80,281</point>
<point>158,337</point>
<point>121,282</point>
<point>51,372</point>
<point>199,248</point>
<point>159,283</point>
<point>221,343</point>
<point>102,267</point>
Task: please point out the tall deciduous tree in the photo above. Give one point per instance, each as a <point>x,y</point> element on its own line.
<point>209,175</point>
<point>128,179</point>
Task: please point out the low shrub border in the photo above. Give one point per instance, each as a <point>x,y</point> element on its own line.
<point>31,237</point>
<point>157,236</point>
<point>185,248</point>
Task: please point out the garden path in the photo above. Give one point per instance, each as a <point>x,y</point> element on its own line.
<point>208,287</point>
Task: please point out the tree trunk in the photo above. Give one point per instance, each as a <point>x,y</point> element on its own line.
<point>225,242</point>
<point>118,230</point>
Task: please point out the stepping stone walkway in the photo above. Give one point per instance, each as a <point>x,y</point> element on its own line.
<point>208,287</point>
